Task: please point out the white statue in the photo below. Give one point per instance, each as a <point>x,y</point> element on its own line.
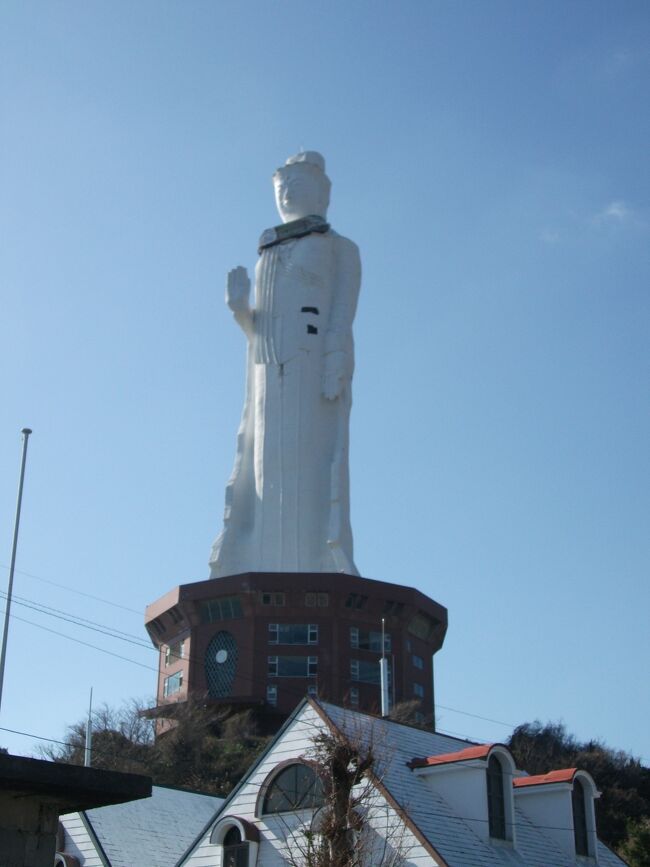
<point>287,501</point>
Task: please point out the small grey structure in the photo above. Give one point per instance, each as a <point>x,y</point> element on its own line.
<point>34,793</point>
<point>151,833</point>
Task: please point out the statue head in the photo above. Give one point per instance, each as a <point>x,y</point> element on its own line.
<point>301,187</point>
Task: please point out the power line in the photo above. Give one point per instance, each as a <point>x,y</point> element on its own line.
<point>95,627</point>
<point>444,815</point>
<point>477,716</point>
<point>130,638</point>
<point>85,643</point>
<point>74,590</point>
<point>79,621</point>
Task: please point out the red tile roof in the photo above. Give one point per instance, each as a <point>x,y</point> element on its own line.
<point>478,752</point>
<point>564,776</point>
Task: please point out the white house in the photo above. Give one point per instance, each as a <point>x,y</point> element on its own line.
<point>433,800</point>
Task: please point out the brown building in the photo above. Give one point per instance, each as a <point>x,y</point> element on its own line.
<point>266,639</point>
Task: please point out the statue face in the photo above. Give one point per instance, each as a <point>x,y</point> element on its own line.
<point>300,192</point>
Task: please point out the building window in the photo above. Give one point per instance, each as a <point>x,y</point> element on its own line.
<point>394,608</point>
<point>173,684</point>
<point>295,788</point>
<point>174,652</point>
<point>221,664</point>
<point>579,818</point>
<point>423,626</point>
<point>417,661</point>
<point>408,645</point>
<point>366,672</point>
<point>356,600</point>
<point>496,801</point>
<point>418,690</point>
<point>312,690</point>
<point>273,598</point>
<point>320,600</point>
<point>235,851</point>
<point>272,695</point>
<point>363,639</point>
<point>226,608</point>
<point>354,696</point>
<point>293,633</point>
<point>293,666</point>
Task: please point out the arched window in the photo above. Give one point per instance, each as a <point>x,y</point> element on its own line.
<point>235,851</point>
<point>221,664</point>
<point>238,840</point>
<point>496,801</point>
<point>579,818</point>
<point>297,787</point>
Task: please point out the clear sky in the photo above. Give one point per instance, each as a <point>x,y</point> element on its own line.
<point>491,161</point>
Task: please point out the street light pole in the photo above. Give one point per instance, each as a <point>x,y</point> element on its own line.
<point>3,655</point>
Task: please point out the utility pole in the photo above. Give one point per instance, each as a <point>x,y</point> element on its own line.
<point>3,655</point>
<point>89,733</point>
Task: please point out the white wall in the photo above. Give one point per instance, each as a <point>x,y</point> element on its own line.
<point>275,831</point>
<point>78,842</point>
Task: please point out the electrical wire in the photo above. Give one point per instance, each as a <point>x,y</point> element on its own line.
<point>95,627</point>
<point>79,641</point>
<point>78,621</point>
<point>100,628</point>
<point>74,590</point>
<point>448,815</point>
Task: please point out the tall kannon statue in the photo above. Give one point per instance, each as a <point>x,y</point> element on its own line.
<point>287,501</point>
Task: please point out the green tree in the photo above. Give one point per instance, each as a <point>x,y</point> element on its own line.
<point>636,848</point>
<point>623,781</point>
<point>206,749</point>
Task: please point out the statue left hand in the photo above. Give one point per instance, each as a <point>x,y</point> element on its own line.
<point>334,375</point>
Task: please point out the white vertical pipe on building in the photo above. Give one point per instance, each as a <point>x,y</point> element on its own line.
<point>383,671</point>
<point>3,654</point>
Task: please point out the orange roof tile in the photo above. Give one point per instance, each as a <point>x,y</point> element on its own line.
<point>564,776</point>
<point>478,752</point>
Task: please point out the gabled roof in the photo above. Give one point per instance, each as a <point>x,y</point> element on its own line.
<point>477,752</point>
<point>448,837</point>
<point>448,834</point>
<point>154,832</point>
<point>565,775</point>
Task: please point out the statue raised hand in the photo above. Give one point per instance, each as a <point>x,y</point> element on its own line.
<point>238,288</point>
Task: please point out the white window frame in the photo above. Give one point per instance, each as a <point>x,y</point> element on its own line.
<point>166,690</point>
<point>275,629</point>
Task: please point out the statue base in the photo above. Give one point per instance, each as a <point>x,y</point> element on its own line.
<point>266,639</point>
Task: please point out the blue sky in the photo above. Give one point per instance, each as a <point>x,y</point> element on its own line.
<point>490,159</point>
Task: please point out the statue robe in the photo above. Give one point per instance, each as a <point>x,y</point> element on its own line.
<point>287,501</point>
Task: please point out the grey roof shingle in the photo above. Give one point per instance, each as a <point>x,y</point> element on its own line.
<point>153,832</point>
<point>450,835</point>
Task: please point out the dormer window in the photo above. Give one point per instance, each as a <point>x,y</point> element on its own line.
<point>496,799</point>
<point>477,784</point>
<point>579,818</point>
